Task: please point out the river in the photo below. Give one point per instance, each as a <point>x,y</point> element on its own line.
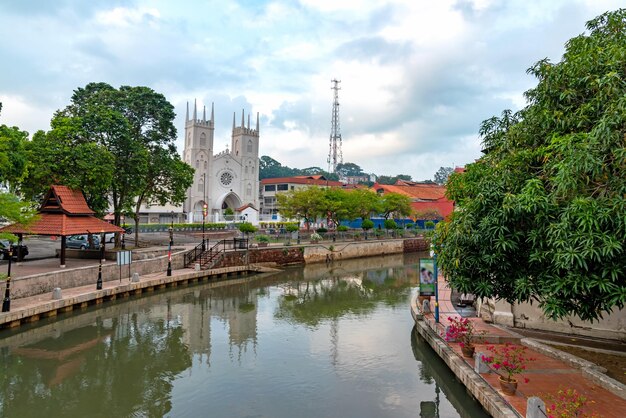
<point>331,340</point>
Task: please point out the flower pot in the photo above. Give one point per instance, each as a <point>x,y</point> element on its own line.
<point>509,387</point>
<point>468,351</point>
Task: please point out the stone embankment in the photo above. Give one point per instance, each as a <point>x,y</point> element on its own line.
<point>59,290</point>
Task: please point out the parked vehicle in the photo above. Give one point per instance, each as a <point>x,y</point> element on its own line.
<point>81,242</point>
<point>6,246</point>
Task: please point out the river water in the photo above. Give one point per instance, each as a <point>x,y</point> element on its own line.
<point>318,341</point>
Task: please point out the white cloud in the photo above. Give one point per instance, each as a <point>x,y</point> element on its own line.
<point>417,76</point>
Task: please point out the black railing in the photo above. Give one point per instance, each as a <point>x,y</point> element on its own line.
<point>208,258</point>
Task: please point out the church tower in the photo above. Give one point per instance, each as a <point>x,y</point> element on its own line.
<point>245,150</point>
<point>198,153</point>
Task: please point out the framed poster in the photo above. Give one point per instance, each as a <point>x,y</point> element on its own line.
<point>427,277</point>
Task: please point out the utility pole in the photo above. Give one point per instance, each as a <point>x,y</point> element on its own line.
<point>334,154</point>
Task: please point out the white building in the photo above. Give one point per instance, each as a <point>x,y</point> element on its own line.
<point>228,179</point>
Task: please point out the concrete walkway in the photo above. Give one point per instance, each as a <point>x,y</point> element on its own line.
<point>549,371</point>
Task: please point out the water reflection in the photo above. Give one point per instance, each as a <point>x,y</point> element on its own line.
<point>321,340</point>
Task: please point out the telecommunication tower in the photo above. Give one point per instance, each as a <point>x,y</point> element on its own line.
<point>334,155</point>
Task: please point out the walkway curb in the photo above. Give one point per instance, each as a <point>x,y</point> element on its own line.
<point>486,395</point>
<point>31,309</point>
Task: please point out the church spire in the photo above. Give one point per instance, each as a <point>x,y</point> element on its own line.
<point>203,113</point>
<point>248,121</point>
<point>242,112</point>
<point>257,122</point>
<point>195,113</point>
<point>187,114</point>
<point>212,113</point>
<point>234,113</point>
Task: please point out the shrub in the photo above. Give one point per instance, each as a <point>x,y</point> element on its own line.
<point>316,237</point>
<point>390,224</point>
<point>429,224</point>
<point>342,228</point>
<point>321,230</point>
<point>262,238</point>
<point>247,228</point>
<point>367,224</point>
<point>292,227</point>
<point>409,226</point>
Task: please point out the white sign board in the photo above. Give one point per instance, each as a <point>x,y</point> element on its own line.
<point>124,257</point>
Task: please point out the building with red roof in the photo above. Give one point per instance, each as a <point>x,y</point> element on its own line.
<point>428,200</point>
<point>63,212</point>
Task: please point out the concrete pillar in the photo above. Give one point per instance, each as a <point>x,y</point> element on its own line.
<point>535,408</point>
<point>135,278</point>
<point>56,293</point>
<point>479,365</point>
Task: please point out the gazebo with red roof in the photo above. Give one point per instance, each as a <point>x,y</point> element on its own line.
<point>64,212</point>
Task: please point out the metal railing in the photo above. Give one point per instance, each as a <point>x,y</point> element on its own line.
<point>209,257</point>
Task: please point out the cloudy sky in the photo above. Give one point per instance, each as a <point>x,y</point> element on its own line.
<point>417,76</point>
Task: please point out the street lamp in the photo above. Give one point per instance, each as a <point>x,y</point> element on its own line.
<point>99,281</point>
<point>6,303</point>
<point>123,234</point>
<point>169,260</point>
<point>434,256</point>
<point>205,208</point>
<point>172,230</point>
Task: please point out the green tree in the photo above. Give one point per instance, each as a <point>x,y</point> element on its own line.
<point>395,203</point>
<point>361,203</point>
<point>348,169</point>
<point>441,176</point>
<point>305,203</point>
<point>336,204</point>
<point>541,214</point>
<point>12,156</point>
<point>61,156</point>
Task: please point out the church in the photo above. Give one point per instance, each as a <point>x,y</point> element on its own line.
<point>223,180</point>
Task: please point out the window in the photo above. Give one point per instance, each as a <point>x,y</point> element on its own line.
<point>269,200</point>
<point>282,187</point>
<point>246,169</point>
<point>249,148</point>
<point>197,163</point>
<point>270,187</point>
<point>205,165</point>
<point>249,190</point>
<point>200,188</point>
<point>203,140</point>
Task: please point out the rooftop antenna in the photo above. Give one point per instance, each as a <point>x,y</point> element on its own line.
<point>334,154</point>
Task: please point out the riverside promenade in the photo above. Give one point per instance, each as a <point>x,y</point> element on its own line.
<point>549,371</point>
<point>44,305</point>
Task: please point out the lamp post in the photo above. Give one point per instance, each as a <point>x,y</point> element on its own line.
<point>172,230</point>
<point>6,303</point>
<point>99,282</point>
<point>204,209</point>
<point>123,234</point>
<point>169,260</point>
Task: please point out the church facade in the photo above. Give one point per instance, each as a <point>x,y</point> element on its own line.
<point>225,180</point>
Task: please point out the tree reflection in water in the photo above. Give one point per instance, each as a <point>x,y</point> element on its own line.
<point>119,367</point>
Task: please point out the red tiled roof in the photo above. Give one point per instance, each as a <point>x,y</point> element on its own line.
<point>62,224</point>
<point>62,198</point>
<point>443,207</point>
<point>244,207</point>
<point>311,180</point>
<point>420,191</point>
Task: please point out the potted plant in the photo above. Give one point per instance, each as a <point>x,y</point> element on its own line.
<point>507,360</point>
<point>462,331</point>
<point>568,403</point>
<point>315,238</point>
<point>262,239</point>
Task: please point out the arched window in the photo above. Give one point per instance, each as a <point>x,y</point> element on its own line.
<point>246,169</point>
<point>197,163</point>
<point>203,140</point>
<point>205,165</point>
<point>200,188</point>
<point>249,149</point>
<point>189,139</point>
